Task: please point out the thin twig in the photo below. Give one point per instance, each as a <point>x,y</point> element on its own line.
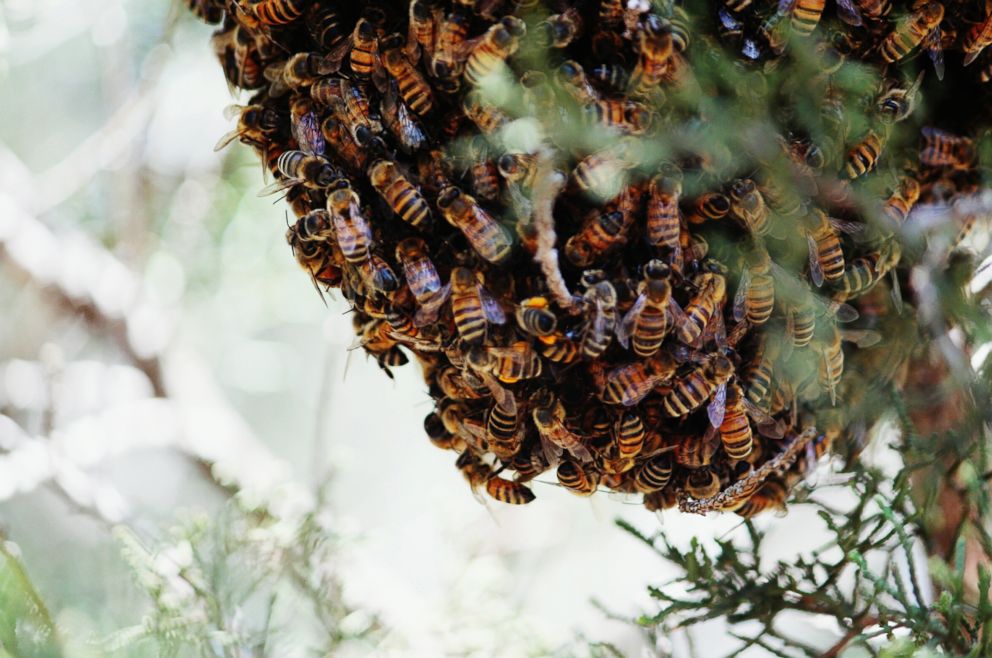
<point>549,183</point>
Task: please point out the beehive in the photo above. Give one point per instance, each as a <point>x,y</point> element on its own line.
<point>632,244</point>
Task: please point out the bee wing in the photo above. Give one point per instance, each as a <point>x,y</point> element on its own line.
<point>851,228</point>
<point>501,395</point>
<point>767,426</point>
<point>494,312</point>
<point>843,312</point>
<point>815,271</point>
<point>936,52</point>
<point>717,407</point>
<point>848,12</point>
<point>279,186</point>
<point>785,6</point>
<point>830,380</point>
<point>332,61</point>
<point>862,338</point>
<point>580,452</point>
<point>227,139</point>
<point>274,72</point>
<point>896,292</point>
<point>308,135</point>
<point>232,111</point>
<point>740,299</point>
<point>626,327</point>
<point>676,312</point>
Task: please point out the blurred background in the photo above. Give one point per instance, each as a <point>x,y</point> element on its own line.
<point>163,361</point>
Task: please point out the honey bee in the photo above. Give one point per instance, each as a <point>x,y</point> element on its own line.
<point>472,306</point>
<point>490,239</point>
<point>397,118</point>
<point>324,25</point>
<point>911,31</point>
<point>863,157</point>
<point>572,78</point>
<point>476,472</point>
<point>508,491</point>
<point>518,168</point>
<point>562,350</point>
<point>377,274</point>
<point>273,12</point>
<point>748,206</point>
<point>405,200</point>
<point>627,385</point>
<point>664,223</point>
<point>490,52</point>
<point>655,50</point>
<point>622,116</point>
<point>704,307</point>
<point>650,317</point>
<point>702,483</point>
<point>555,437</point>
<point>489,119</point>
<point>944,149</point>
<point>831,364</point>
<point>977,38</point>
<point>771,495</point>
<point>826,256</point>
<point>630,435</point>
<point>413,89</point>
<point>902,200</point>
<point>611,75</point>
<point>439,434</point>
<point>354,235</point>
<point>503,432</point>
<point>342,145</point>
<point>510,364</point>
<point>653,474</point>
<point>577,479</point>
<point>692,390</point>
<point>896,103</point>
<point>696,451</point>
<point>423,23</point>
<point>315,225</point>
<point>536,318</point>
<point>861,275</point>
<point>735,430</point>
<point>528,465</point>
<point>420,273</point>
<point>300,70</point>
<point>299,168</point>
<point>602,174</point>
<point>755,298</point>
<point>707,207</point>
<point>599,234</point>
<point>599,301</point>
<point>451,48</point>
<point>362,49</point>
<point>483,171</point>
<point>256,123</point>
<point>306,126</point>
<point>559,30</point>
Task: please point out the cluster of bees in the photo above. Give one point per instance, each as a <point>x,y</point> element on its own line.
<point>679,341</point>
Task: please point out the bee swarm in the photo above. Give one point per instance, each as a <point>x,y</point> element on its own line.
<point>593,261</point>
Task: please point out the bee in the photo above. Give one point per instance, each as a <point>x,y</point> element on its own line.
<point>944,149</point>
<point>599,302</point>
<point>695,451</point>
<point>555,437</point>
<point>977,38</point>
<point>602,174</point>
<point>490,52</point>
<point>702,483</point>
<point>755,298</point>
<point>342,145</point>
<point>599,234</point>
<point>650,317</point>
<point>354,235</point>
<point>629,435</point>
<point>489,119</point>
<point>577,479</point>
<point>627,385</point>
<point>208,11</point>
<point>509,492</point>
<point>562,350</point>
<point>536,318</point>
<point>902,200</point>
<point>681,26</point>
<point>503,430</point>
<point>423,22</point>
<point>274,12</point>
<point>771,495</point>
<point>420,273</point>
<point>256,125</point>
<point>664,223</point>
<point>299,168</point>
<point>528,465</point>
<point>735,430</point>
<point>305,126</point>
<point>324,25</point>
<point>861,275</point>
<point>400,122</point>
<point>831,364</point>
<point>622,116</point>
<point>611,75</point>
<point>655,50</point>
<point>874,9</point>
<point>472,306</point>
<point>300,70</point>
<point>692,390</point>
<point>451,48</point>
<point>863,157</point>
<point>911,31</point>
<point>559,30</point>
<point>748,206</point>
<point>896,103</point>
<point>707,207</point>
<point>405,200</point>
<point>475,471</point>
<point>490,239</point>
<point>704,307</point>
<point>363,55</point>
<point>572,78</point>
<point>826,256</point>
<point>483,171</point>
<point>413,89</point>
<point>439,434</point>
<point>653,474</point>
<point>510,364</point>
<point>315,225</point>
<point>518,168</point>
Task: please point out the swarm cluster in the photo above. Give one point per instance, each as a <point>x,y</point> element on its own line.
<point>631,243</point>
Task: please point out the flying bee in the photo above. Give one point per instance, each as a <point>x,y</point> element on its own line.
<point>508,491</point>
<point>771,495</point>
<point>299,168</point>
<point>755,298</point>
<point>256,125</point>
<point>488,238</point>
<point>413,89</point>
<point>489,119</point>
<point>578,480</point>
<point>483,172</point>
<point>692,390</point>
<point>420,273</point>
<point>405,127</point>
<point>627,385</point>
<point>944,149</point>
<point>826,255</point>
<point>910,31</point>
<point>273,12</point>
<point>702,483</point>
<point>549,419</point>
<point>650,317</point>
<point>977,38</point>
<point>611,75</point>
<point>536,318</point>
<point>803,311</point>
<point>405,200</point>
<point>572,78</point>
<point>559,30</point>
<point>655,50</point>
<point>602,174</point>
<point>863,157</point>
<point>451,48</point>
<point>629,435</point>
<point>896,103</point>
<point>600,304</point>
<point>707,207</point>
<point>306,126</point>
<point>748,206</point>
<point>472,307</point>
<point>664,225</point>
<point>704,308</point>
<point>490,52</point>
<point>354,235</point>
<point>475,471</point>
